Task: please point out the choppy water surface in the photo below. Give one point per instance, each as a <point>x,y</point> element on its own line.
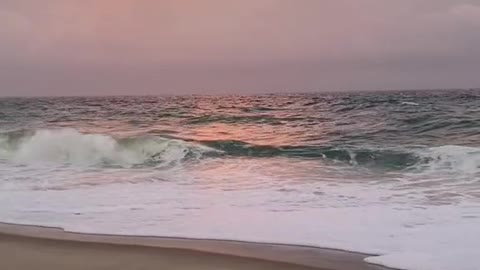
<point>392,173</point>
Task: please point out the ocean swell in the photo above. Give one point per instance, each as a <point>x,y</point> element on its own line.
<point>71,147</point>
<point>387,158</point>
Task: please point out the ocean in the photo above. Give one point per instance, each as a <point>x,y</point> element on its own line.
<point>392,174</point>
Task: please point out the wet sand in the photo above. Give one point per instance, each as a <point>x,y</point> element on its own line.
<point>38,248</point>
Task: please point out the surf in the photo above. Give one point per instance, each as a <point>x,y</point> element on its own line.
<point>69,146</point>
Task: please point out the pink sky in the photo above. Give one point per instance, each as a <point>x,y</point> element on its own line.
<point>73,47</point>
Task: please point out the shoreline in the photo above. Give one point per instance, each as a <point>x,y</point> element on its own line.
<point>181,253</point>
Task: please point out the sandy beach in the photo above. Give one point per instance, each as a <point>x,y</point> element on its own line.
<point>32,247</point>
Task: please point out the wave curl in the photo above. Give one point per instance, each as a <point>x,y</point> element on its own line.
<point>69,146</point>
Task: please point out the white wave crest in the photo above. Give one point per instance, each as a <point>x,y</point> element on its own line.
<point>410,103</point>
<point>463,159</point>
<point>68,146</point>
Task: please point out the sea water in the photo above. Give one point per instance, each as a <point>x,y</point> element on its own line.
<point>392,174</point>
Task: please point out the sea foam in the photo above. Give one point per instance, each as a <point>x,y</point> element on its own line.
<point>69,146</point>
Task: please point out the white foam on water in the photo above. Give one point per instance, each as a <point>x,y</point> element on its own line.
<point>410,103</point>
<point>69,146</point>
<point>426,220</point>
<point>406,236</point>
<point>463,159</point>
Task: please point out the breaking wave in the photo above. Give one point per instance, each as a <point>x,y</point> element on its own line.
<point>453,158</point>
<point>69,146</point>
<point>447,157</point>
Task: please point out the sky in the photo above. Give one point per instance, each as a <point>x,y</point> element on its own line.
<point>127,47</point>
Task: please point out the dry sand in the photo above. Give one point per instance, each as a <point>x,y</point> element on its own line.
<point>39,248</point>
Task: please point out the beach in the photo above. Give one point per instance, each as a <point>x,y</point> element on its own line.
<point>32,247</point>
